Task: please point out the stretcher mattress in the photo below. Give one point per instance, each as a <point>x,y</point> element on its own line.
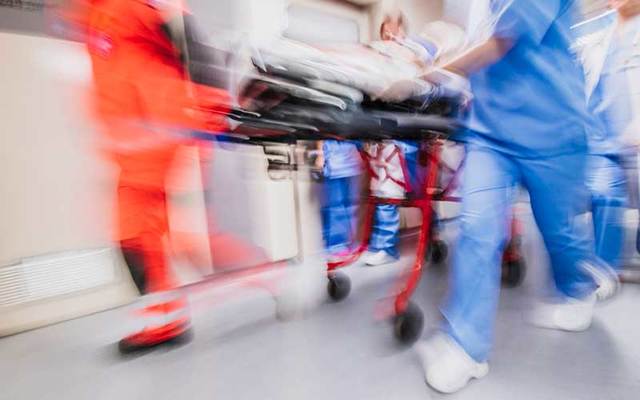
<point>302,92</point>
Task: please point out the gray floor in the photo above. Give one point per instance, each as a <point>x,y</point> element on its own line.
<point>338,351</point>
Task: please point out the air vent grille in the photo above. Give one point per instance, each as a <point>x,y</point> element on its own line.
<point>56,275</point>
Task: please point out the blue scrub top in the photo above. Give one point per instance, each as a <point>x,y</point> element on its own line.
<point>612,98</point>
<point>532,103</point>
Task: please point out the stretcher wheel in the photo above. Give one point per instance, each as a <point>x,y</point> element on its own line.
<point>438,251</point>
<point>513,272</point>
<point>515,243</point>
<point>407,326</point>
<point>339,286</point>
<point>317,175</point>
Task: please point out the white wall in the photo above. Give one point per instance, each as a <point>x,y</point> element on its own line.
<point>341,9</point>
<point>55,193</point>
<point>466,13</point>
<point>53,188</point>
<point>418,12</point>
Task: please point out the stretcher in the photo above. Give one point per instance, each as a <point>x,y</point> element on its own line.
<point>291,100</point>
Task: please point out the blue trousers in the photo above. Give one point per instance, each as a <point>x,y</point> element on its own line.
<point>339,213</point>
<point>385,230</point>
<point>606,180</point>
<point>558,193</point>
<point>386,227</point>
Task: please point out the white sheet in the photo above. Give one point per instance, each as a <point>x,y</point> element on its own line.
<point>370,69</point>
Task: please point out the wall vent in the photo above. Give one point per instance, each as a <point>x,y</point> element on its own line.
<point>49,276</point>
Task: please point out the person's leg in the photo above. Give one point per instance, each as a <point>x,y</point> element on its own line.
<point>353,196</point>
<point>488,190</point>
<point>384,235</point>
<point>143,224</point>
<point>386,227</point>
<point>459,353</point>
<point>558,195</point>
<point>417,171</point>
<point>162,314</point>
<point>335,220</point>
<point>607,183</point>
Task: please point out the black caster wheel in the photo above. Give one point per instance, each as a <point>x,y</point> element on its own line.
<point>513,273</point>
<point>317,175</point>
<point>438,251</point>
<point>339,286</point>
<point>407,327</point>
<point>515,243</point>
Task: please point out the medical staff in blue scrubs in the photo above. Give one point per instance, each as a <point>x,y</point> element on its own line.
<point>527,125</point>
<point>383,244</point>
<point>342,168</point>
<point>611,101</point>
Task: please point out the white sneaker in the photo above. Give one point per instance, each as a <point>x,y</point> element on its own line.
<point>447,367</point>
<point>571,315</point>
<point>605,277</point>
<point>366,256</point>
<point>380,258</point>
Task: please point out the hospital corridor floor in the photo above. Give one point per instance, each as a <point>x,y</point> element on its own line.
<point>241,351</point>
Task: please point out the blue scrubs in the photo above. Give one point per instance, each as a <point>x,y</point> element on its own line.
<point>386,227</point>
<point>341,196</point>
<point>527,126</point>
<point>606,178</point>
<point>611,102</point>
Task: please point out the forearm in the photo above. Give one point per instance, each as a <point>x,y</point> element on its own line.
<point>319,159</point>
<point>481,56</point>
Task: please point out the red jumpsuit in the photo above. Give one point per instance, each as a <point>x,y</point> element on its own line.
<point>145,103</point>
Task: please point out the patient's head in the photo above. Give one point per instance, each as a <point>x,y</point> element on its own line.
<point>394,26</point>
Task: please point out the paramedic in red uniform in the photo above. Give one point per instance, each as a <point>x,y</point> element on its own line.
<point>145,103</point>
